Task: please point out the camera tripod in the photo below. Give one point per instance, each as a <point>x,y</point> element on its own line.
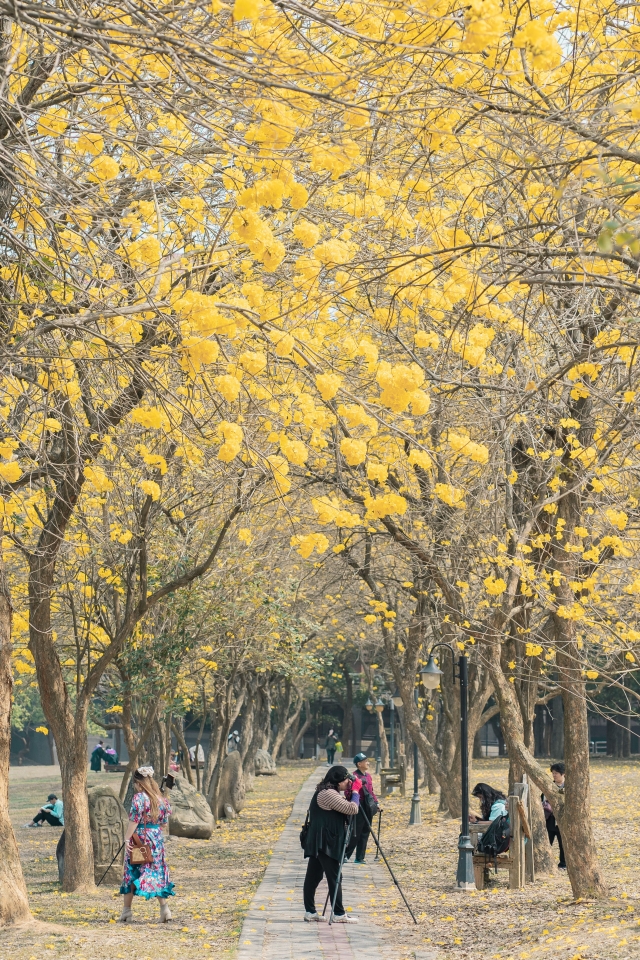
<point>347,837</point>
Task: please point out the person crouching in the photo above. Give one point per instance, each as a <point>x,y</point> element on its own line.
<point>324,842</point>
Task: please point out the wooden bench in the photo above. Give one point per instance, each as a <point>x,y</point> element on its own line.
<point>394,777</point>
<point>519,858</point>
<point>115,767</point>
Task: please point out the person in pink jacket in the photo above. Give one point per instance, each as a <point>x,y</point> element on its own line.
<point>362,831</point>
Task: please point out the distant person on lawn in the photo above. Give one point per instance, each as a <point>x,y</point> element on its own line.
<point>97,756</point>
<point>52,812</point>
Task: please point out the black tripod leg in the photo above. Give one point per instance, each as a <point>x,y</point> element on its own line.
<point>110,865</point>
<point>377,856</point>
<point>381,851</point>
<point>339,877</point>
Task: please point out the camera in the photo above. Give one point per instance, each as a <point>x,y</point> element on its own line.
<point>168,781</point>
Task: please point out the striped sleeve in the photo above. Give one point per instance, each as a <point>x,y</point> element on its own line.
<point>331,800</point>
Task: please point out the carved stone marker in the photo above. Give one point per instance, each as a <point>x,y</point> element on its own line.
<point>108,821</point>
<point>191,816</point>
<point>231,795</point>
<point>264,764</point>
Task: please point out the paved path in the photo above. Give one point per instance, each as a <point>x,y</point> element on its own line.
<point>274,928</point>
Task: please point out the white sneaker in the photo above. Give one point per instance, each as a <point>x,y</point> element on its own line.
<point>345,918</point>
<point>310,917</point>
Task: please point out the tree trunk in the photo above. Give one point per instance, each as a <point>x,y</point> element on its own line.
<point>14,905</point>
<point>556,744</point>
<point>295,749</point>
<point>69,726</point>
<point>182,743</point>
<point>260,733</point>
<point>384,745</point>
<point>284,727</point>
<point>347,717</point>
<point>571,808</point>
<point>133,747</point>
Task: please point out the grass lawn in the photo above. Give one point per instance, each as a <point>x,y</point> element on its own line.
<point>540,922</point>
<point>215,881</point>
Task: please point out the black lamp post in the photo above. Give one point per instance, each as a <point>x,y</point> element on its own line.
<point>431,678</point>
<point>416,815</point>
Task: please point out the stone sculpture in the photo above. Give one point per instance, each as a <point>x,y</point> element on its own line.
<point>231,795</point>
<point>264,764</point>
<point>108,822</point>
<point>191,816</point>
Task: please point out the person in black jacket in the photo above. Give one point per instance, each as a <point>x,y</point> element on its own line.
<point>324,842</point>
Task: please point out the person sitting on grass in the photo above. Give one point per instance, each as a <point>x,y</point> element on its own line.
<point>52,812</point>
<point>493,803</point>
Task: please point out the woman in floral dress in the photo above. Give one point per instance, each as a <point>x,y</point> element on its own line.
<point>149,812</point>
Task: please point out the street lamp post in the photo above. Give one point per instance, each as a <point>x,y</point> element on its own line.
<point>431,678</point>
<point>392,733</point>
<point>416,816</point>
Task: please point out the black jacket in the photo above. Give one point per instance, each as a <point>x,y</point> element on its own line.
<point>326,831</point>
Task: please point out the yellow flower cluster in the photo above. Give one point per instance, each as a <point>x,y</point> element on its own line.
<point>233,436</point>
<point>469,448</point>
<point>385,506</point>
<point>451,495</point>
<point>308,542</point>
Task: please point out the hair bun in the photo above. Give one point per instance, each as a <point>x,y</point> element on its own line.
<point>146,771</point>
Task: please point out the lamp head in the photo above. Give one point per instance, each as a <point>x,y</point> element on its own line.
<point>430,675</point>
<point>379,707</point>
<point>369,705</point>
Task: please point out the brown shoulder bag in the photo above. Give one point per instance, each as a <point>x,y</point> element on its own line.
<point>140,852</point>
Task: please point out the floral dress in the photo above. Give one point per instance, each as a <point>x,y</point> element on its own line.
<point>148,879</point>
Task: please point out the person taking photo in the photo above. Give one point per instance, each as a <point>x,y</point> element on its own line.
<point>360,836</point>
<point>324,841</point>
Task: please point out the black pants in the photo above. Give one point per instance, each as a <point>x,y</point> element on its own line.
<point>49,817</point>
<point>554,831</point>
<point>331,752</point>
<point>360,838</point>
<point>316,867</point>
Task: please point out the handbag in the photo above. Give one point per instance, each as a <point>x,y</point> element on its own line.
<point>140,852</point>
<point>304,831</point>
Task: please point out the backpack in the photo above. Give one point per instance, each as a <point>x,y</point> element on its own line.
<point>371,807</point>
<point>495,839</point>
<point>305,830</point>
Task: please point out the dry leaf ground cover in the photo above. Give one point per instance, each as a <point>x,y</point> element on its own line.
<point>540,922</point>
<point>215,881</point>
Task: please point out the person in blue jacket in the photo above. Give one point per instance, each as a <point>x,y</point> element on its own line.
<point>52,812</point>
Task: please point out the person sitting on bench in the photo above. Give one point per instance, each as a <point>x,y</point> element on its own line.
<point>493,803</point>
<point>52,812</point>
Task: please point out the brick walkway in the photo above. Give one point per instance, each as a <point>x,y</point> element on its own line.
<point>274,928</point>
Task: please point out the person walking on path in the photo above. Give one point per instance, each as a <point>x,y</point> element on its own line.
<point>52,812</point>
<point>324,841</point>
<point>553,830</point>
<point>150,811</point>
<point>330,746</point>
<point>360,837</point>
